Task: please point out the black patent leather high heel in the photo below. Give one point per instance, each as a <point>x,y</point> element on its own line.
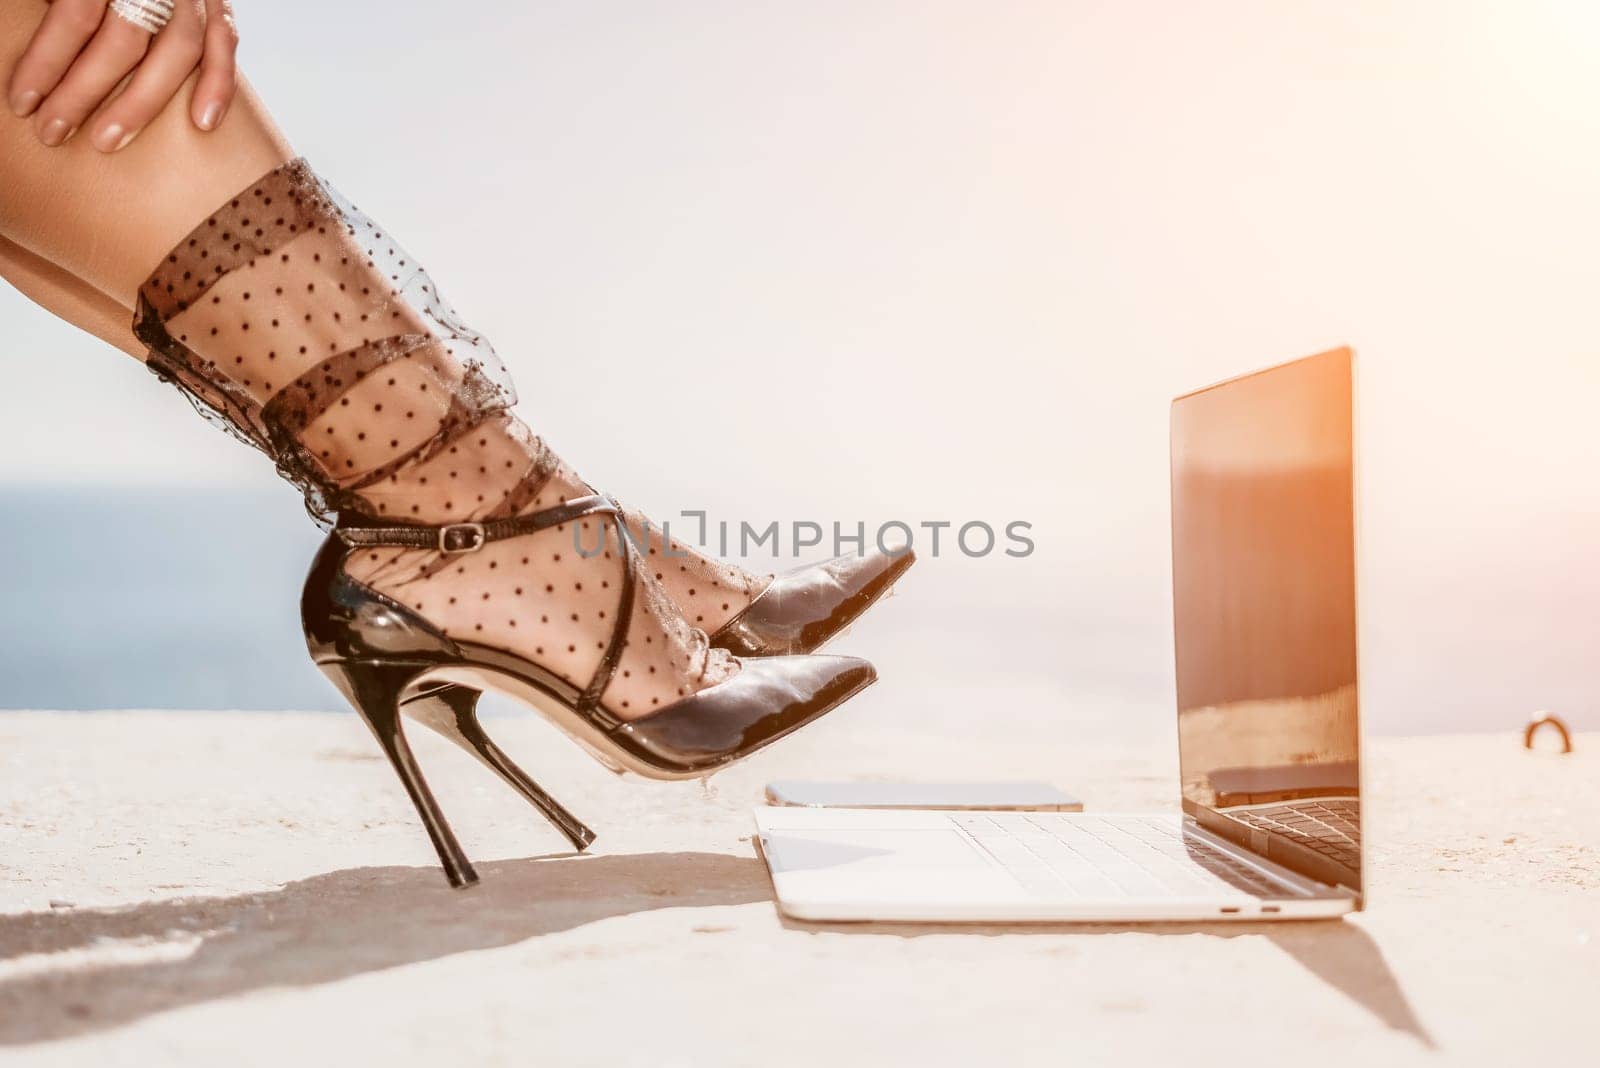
<point>802,610</point>
<point>393,664</point>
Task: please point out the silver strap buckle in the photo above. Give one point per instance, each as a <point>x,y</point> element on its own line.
<point>462,538</point>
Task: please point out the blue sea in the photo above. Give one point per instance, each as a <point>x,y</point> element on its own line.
<point>155,599</point>
<point>189,599</point>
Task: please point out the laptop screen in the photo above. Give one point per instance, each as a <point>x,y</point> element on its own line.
<point>1264,603</point>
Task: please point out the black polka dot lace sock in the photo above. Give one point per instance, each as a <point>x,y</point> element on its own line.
<point>299,325</point>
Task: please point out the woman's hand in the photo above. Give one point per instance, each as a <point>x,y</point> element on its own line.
<point>82,52</point>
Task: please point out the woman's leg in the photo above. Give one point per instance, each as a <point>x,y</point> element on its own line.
<point>305,295</point>
<point>708,592</point>
<point>80,231</point>
<point>69,298</point>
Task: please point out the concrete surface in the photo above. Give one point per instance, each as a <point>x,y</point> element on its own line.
<point>242,889</point>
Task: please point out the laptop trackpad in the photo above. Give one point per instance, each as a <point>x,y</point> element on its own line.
<point>930,849</point>
<point>898,864</point>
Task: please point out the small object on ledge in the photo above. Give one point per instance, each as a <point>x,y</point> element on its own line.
<point>1539,719</point>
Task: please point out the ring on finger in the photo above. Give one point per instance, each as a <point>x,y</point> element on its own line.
<point>151,16</point>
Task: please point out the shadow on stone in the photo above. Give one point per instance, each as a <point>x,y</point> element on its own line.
<point>71,972</point>
<point>1339,953</point>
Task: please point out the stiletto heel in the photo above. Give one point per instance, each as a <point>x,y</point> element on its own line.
<point>452,711</point>
<point>375,689</point>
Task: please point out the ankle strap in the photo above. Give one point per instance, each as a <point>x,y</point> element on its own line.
<point>453,538</point>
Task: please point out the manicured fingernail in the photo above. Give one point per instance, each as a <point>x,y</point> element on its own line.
<point>111,139</point>
<point>211,116</point>
<point>24,103</point>
<point>56,132</point>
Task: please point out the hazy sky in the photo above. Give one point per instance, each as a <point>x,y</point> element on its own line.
<point>951,260</point>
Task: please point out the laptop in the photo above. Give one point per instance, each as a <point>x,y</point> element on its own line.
<point>1264,606</point>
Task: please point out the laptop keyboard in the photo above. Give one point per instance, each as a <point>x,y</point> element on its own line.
<point>1329,826</point>
<point>1122,857</point>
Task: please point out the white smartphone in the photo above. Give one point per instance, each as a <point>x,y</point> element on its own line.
<point>1009,796</point>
